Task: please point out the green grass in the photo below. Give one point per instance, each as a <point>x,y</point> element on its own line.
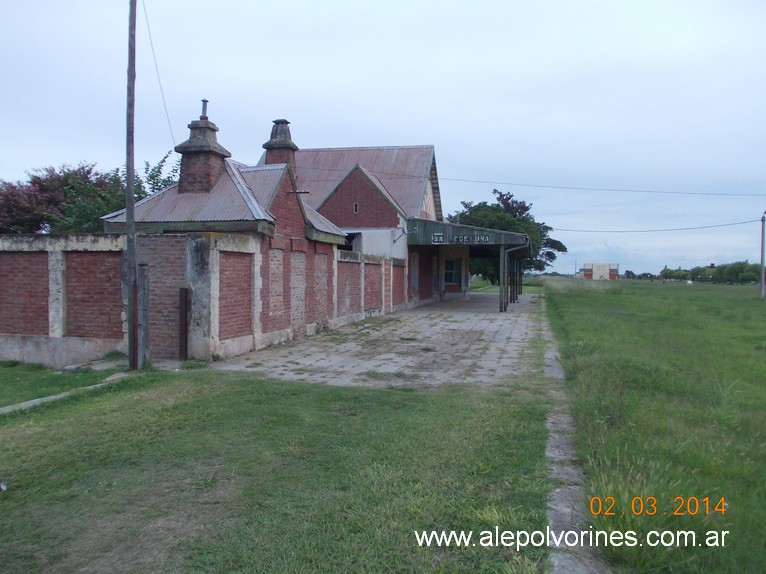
<point>668,384</point>
<point>20,382</point>
<point>531,286</point>
<point>202,471</point>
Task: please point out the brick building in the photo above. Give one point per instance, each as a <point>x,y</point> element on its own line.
<point>241,256</point>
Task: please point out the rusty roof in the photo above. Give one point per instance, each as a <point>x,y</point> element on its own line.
<point>403,171</point>
<point>320,222</point>
<point>235,197</point>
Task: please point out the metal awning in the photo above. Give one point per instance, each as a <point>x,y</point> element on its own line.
<point>510,247</point>
<point>430,232</point>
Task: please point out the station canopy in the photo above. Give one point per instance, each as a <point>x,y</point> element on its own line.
<point>483,242</point>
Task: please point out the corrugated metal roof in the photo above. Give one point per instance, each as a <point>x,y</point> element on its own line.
<point>261,180</point>
<point>247,191</point>
<point>233,198</point>
<point>404,171</point>
<point>321,223</point>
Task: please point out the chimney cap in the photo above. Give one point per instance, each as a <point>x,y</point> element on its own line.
<point>280,136</point>
<point>202,137</point>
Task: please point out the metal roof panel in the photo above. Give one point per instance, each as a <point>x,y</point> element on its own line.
<point>233,198</point>
<point>403,171</point>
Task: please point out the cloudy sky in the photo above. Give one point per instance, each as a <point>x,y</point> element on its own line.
<point>580,107</point>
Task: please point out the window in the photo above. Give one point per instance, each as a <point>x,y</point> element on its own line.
<point>356,207</point>
<point>452,271</point>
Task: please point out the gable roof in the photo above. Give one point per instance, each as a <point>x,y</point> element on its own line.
<point>402,171</point>
<point>375,181</point>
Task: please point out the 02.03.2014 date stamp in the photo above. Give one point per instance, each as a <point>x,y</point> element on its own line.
<point>649,506</point>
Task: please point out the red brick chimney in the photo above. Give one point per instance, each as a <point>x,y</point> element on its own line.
<point>280,148</point>
<point>202,157</point>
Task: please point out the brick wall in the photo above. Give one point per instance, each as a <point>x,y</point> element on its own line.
<point>372,287</point>
<point>200,171</point>
<point>349,286</point>
<point>281,155</point>
<point>327,302</point>
<point>166,257</point>
<point>235,295</point>
<point>93,294</point>
<point>373,208</point>
<point>287,211</point>
<point>24,293</point>
<point>275,274</point>
<point>319,294</point>
<point>399,286</point>
<point>427,285</point>
<point>297,290</point>
<point>274,310</point>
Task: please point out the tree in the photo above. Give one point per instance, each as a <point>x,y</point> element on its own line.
<point>72,199</point>
<point>509,214</point>
<point>155,179</point>
<point>57,200</point>
<point>675,274</point>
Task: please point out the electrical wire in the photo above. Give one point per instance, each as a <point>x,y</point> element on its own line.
<point>394,175</point>
<point>157,69</point>
<point>612,189</point>
<point>655,230</point>
<point>403,176</point>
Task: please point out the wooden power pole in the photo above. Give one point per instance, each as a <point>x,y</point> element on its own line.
<point>763,255</point>
<point>130,220</point>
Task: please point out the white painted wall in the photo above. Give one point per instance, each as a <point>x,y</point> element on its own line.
<point>386,242</point>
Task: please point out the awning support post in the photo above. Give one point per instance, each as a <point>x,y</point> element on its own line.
<point>501,279</point>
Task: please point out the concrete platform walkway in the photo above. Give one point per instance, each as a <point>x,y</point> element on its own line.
<point>445,342</point>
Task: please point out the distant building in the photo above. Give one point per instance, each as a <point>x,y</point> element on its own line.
<point>600,271</point>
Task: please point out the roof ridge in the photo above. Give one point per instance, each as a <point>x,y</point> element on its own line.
<point>365,147</point>
<point>246,192</point>
<point>265,167</point>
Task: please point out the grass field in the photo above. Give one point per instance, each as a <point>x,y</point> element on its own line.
<point>20,382</point>
<point>668,383</point>
<point>530,286</point>
<point>202,471</point>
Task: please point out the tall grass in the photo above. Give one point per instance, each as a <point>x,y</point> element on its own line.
<point>668,383</point>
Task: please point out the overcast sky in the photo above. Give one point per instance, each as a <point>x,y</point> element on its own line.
<point>661,95</point>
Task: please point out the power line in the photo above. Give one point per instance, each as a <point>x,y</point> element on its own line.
<point>157,69</point>
<point>612,189</point>
<point>394,175</point>
<point>654,230</point>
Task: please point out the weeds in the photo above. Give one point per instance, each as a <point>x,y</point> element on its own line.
<point>667,391</point>
<point>193,364</point>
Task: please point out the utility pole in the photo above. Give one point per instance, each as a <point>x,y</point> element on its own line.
<point>763,251</point>
<point>130,221</point>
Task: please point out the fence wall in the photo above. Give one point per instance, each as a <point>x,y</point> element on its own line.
<point>63,299</point>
